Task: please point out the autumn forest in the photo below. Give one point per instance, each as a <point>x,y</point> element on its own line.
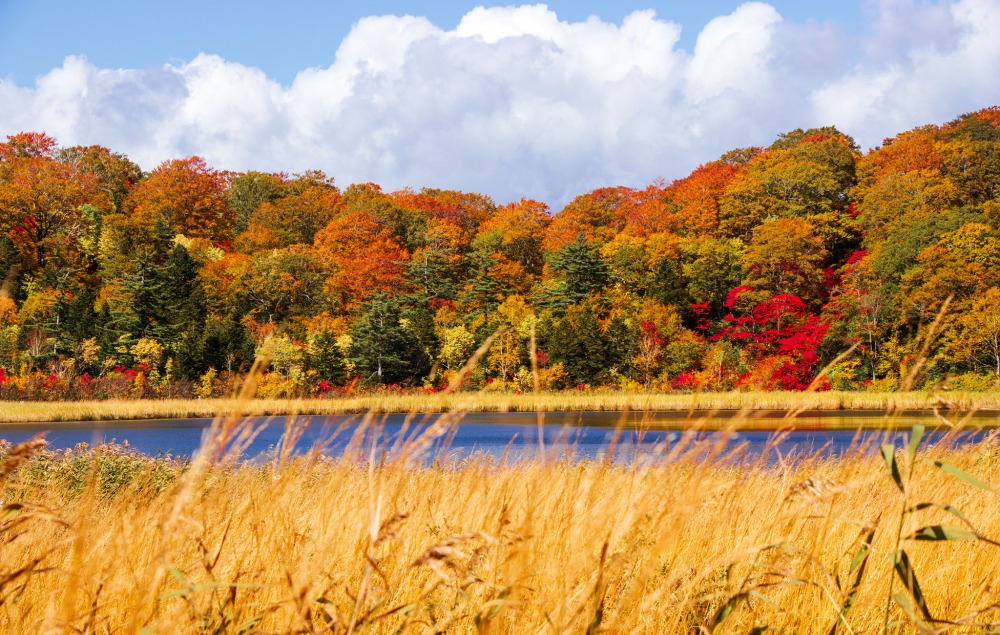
<point>754,272</point>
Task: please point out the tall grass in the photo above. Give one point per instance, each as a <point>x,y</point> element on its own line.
<point>681,540</point>
<point>365,544</point>
<point>22,412</point>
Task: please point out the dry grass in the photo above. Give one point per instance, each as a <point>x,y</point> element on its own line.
<point>107,542</point>
<point>569,401</point>
<point>362,545</point>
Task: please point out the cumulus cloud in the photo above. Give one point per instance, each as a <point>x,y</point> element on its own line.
<point>925,63</point>
<point>516,102</point>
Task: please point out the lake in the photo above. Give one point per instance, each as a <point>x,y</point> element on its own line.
<point>515,435</point>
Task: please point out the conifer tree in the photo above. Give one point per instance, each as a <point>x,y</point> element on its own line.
<point>578,342</point>
<point>325,358</point>
<point>384,348</point>
<point>584,270</point>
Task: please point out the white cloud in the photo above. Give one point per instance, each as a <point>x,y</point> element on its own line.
<point>926,63</point>
<point>515,102</point>
<point>734,53</point>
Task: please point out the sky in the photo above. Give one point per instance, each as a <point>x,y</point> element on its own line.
<point>544,101</point>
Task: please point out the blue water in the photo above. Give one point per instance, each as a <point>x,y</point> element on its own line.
<point>514,436</point>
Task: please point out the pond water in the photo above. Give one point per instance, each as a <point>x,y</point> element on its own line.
<point>515,436</point>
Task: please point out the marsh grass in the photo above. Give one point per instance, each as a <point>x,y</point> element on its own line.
<point>567,401</point>
<point>384,539</point>
<point>103,540</point>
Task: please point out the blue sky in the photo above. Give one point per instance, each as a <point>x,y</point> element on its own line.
<point>282,39</point>
<point>542,101</point>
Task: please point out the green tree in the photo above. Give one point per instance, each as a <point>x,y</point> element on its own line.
<point>325,357</point>
<point>578,342</point>
<point>583,269</point>
<point>227,345</point>
<point>383,347</point>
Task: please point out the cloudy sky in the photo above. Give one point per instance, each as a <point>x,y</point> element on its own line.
<point>544,101</point>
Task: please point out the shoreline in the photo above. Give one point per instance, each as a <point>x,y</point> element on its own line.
<point>732,403</point>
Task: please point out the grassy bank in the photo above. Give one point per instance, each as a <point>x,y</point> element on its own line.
<point>21,412</point>
<point>109,542</point>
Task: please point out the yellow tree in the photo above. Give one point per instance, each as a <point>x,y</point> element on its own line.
<point>505,355</point>
<point>785,256</point>
<point>977,338</point>
<point>518,229</point>
<point>804,173</point>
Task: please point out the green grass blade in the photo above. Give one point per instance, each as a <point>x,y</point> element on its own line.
<point>942,532</point>
<point>859,563</point>
<point>904,603</point>
<point>961,475</point>
<point>951,509</point>
<point>862,553</point>
<point>724,611</point>
<point>915,435</point>
<point>889,454</point>
<point>909,578</point>
<point>247,625</point>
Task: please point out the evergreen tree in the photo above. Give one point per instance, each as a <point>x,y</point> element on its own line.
<point>384,348</point>
<point>325,358</point>
<point>432,275</point>
<point>188,355</point>
<point>11,264</point>
<point>482,294</point>
<point>668,286</point>
<point>147,290</point>
<point>420,321</point>
<point>181,302</point>
<point>622,337</point>
<point>584,270</point>
<point>227,346</point>
<point>81,319</point>
<point>578,342</point>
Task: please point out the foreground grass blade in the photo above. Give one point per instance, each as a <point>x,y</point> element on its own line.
<point>725,611</point>
<point>904,603</point>
<point>915,436</point>
<point>859,563</point>
<point>951,509</point>
<point>909,578</point>
<point>959,474</point>
<point>889,454</point>
<point>942,532</point>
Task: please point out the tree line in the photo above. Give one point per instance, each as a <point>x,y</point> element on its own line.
<point>755,271</point>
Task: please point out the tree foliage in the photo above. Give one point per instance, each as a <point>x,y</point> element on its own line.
<point>755,270</point>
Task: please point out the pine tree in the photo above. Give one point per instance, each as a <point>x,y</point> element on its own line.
<point>325,358</point>
<point>578,342</point>
<point>432,275</point>
<point>181,302</point>
<point>482,293</point>
<point>384,349</point>
<point>622,338</point>
<point>667,284</point>
<point>81,319</point>
<point>583,269</point>
<point>227,346</point>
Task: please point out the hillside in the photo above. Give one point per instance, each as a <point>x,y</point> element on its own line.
<point>755,271</point>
